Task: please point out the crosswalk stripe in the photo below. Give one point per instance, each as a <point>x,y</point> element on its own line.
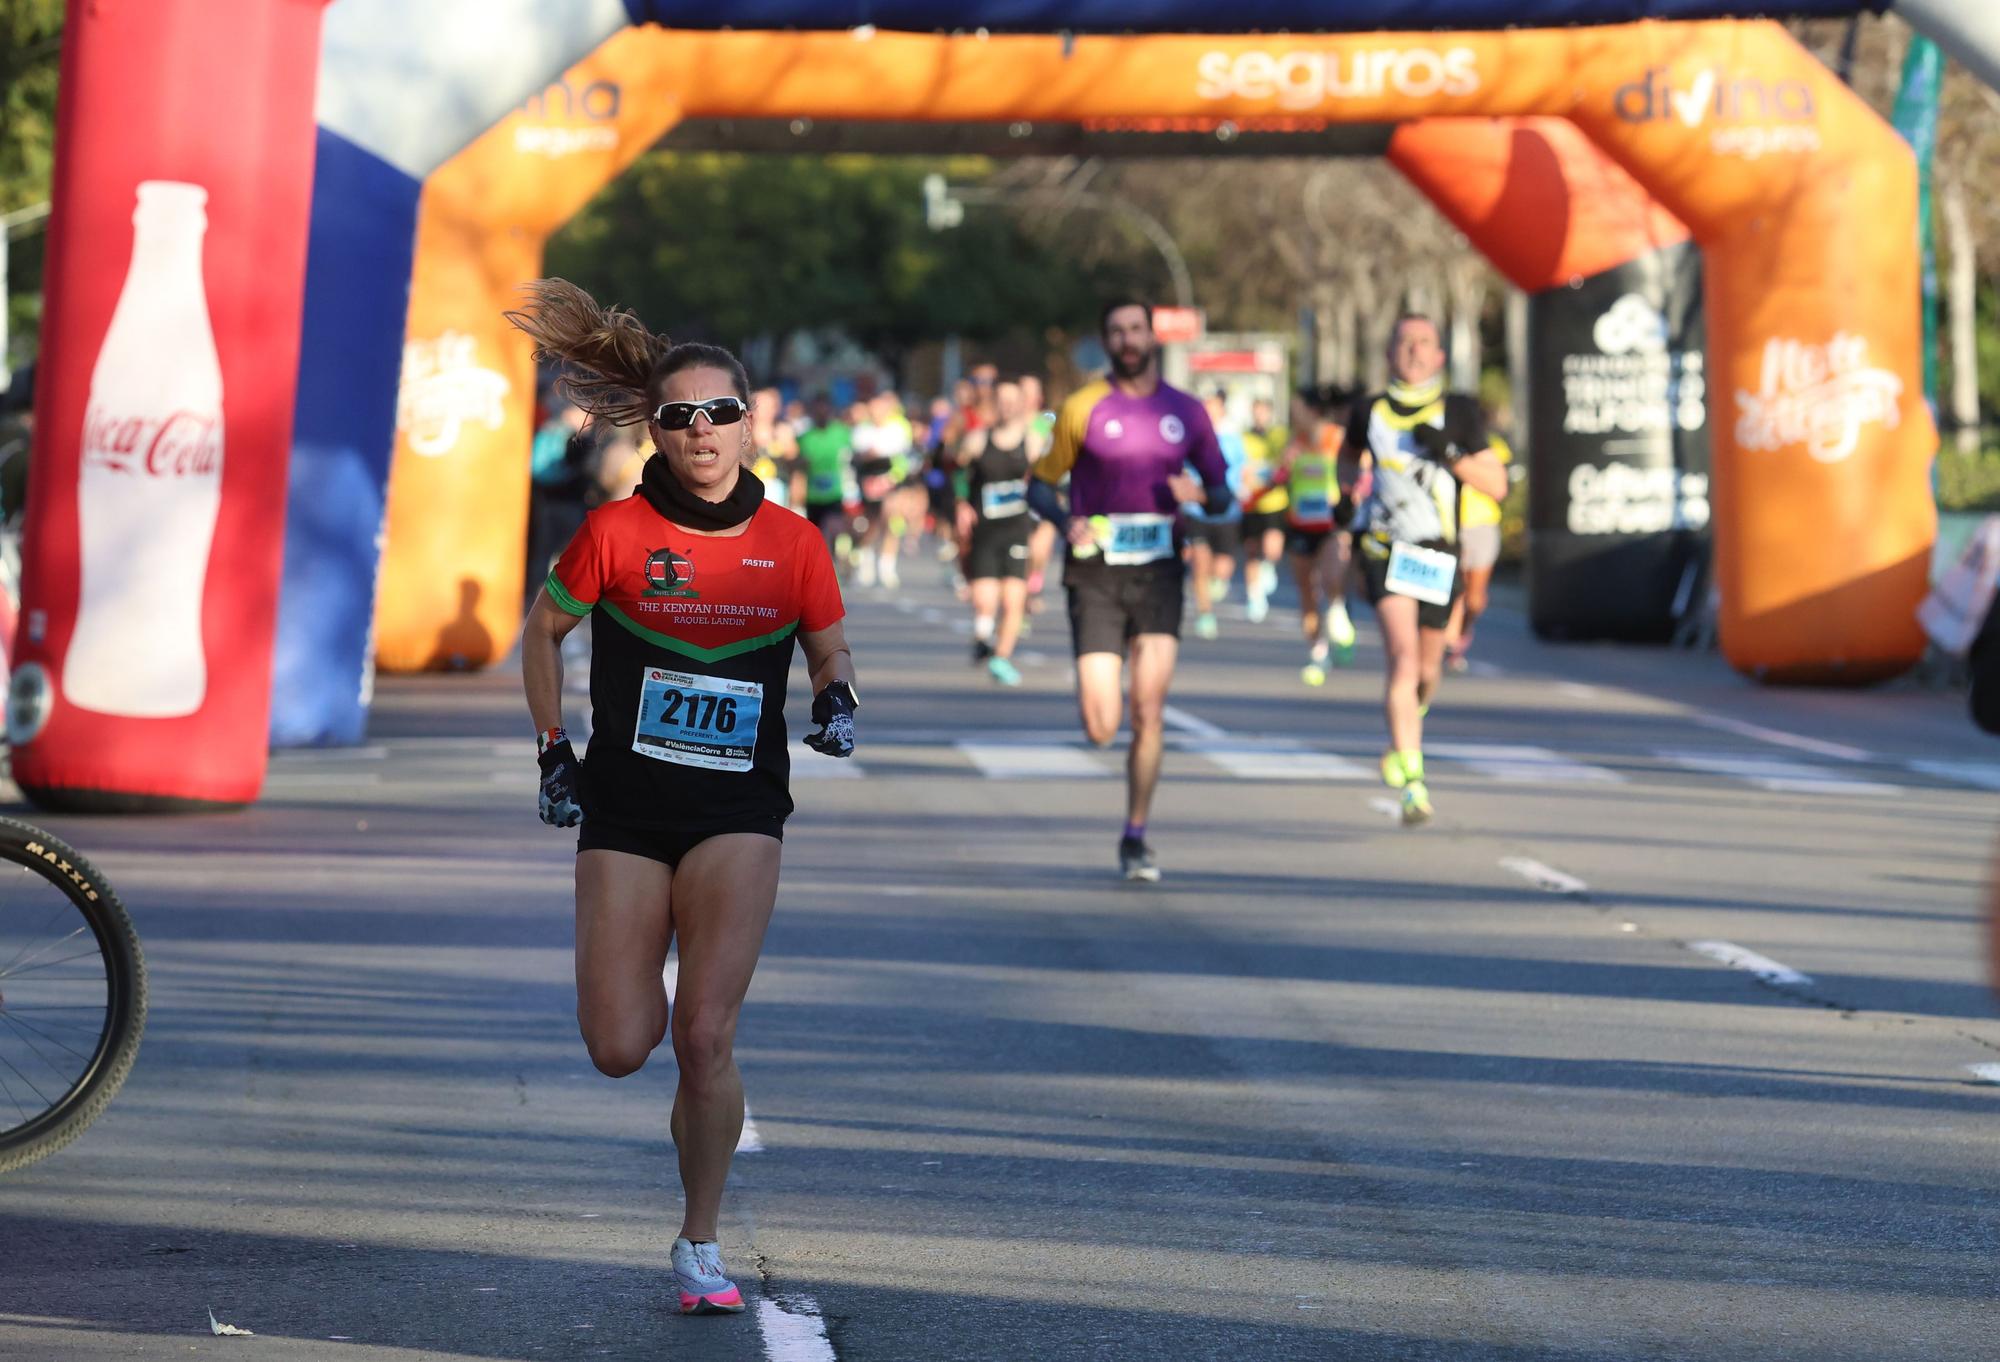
<point>1263,762</point>
<point>1773,773</point>
<point>1034,761</point>
<point>1517,765</point>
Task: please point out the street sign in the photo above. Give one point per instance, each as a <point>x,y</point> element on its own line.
<point>1179,325</point>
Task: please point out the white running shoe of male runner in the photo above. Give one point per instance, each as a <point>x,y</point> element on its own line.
<point>705,1286</point>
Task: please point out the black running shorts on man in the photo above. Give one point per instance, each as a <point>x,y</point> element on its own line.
<point>692,642</point>
<point>1119,451</point>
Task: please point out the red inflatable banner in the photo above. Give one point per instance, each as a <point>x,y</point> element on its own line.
<point>164,408</point>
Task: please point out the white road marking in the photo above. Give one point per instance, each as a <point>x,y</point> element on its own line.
<point>1777,737</point>
<point>372,752</point>
<point>1985,1073</point>
<point>1474,667</point>
<point>793,1332</point>
<point>1984,774</point>
<point>1771,773</point>
<point>1517,765</point>
<point>1763,966</point>
<point>810,765</point>
<point>1577,690</point>
<point>1256,761</point>
<point>1386,805</point>
<point>1191,724</point>
<point>929,615</point>
<point>278,776</point>
<point>904,604</point>
<point>1029,761</point>
<point>1034,659</point>
<point>1543,876</point>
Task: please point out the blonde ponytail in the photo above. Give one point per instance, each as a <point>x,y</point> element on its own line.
<point>607,354</point>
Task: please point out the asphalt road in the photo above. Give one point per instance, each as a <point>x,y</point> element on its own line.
<point>1500,1088</point>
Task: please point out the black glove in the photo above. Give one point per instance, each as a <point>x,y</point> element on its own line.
<point>1436,444</point>
<point>833,711</point>
<point>1343,510</point>
<point>562,781</point>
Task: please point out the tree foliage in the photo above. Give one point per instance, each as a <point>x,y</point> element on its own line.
<point>733,247</point>
<point>30,41</point>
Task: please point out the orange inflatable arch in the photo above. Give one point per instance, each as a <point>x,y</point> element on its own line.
<point>1803,200</point>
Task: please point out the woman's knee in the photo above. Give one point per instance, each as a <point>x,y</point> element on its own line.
<point>618,1049</point>
<point>704,1042</point>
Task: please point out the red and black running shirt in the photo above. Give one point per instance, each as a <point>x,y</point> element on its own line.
<point>691,646</point>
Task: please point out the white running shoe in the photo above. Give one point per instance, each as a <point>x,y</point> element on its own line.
<point>867,568</point>
<point>890,577</point>
<point>705,1286</point>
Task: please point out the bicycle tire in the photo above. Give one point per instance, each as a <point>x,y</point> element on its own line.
<point>57,862</point>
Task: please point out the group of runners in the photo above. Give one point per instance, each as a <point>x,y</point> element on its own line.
<point>700,587</point>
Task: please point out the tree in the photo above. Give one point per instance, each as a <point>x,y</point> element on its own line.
<point>735,248</point>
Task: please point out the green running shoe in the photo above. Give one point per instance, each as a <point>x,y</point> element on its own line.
<point>1393,774</point>
<point>1416,804</point>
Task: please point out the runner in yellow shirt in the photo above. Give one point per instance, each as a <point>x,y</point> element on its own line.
<point>1478,551</point>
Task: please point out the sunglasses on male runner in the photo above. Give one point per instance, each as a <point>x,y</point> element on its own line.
<point>720,411</point>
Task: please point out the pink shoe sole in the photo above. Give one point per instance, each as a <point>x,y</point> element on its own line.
<point>728,1302</point>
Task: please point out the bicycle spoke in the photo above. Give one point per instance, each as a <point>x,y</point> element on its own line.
<point>29,1081</point>
<point>28,1040</point>
<point>51,964</point>
<point>56,913</point>
<point>23,1023</point>
<point>8,1088</point>
<point>96,1030</point>
<point>20,969</point>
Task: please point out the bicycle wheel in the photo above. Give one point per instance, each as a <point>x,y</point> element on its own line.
<point>72,994</point>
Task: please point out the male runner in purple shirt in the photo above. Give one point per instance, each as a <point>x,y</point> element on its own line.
<point>1125,444</point>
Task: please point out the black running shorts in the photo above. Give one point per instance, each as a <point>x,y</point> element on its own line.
<point>669,846</point>
<point>999,548</point>
<point>824,513</point>
<point>1110,606</point>
<point>1223,536</point>
<point>1305,543</point>
<point>1257,524</point>
<point>1375,572</point>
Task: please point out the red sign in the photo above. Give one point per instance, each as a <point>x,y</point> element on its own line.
<point>1179,325</point>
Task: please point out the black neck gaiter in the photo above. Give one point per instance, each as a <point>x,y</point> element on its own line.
<point>664,491</point>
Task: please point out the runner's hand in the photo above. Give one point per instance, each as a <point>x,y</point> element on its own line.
<point>1080,533</point>
<point>1186,490</point>
<point>562,779</point>
<point>833,711</point>
<point>1437,445</point>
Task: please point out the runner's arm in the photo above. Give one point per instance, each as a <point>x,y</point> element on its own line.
<point>1045,499</point>
<point>1483,472</point>
<point>827,658</point>
<point>1207,459</point>
<point>541,660</point>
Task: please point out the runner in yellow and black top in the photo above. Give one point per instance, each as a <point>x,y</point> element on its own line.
<point>1478,552</point>
<point>1264,446</point>
<point>697,590</point>
<point>1407,453</point>
<point>1315,516</point>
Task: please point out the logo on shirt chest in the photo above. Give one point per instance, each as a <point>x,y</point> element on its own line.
<point>670,574</point>
<point>1171,429</point>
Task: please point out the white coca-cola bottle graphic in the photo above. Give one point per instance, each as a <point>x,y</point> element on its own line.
<point>150,477</point>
